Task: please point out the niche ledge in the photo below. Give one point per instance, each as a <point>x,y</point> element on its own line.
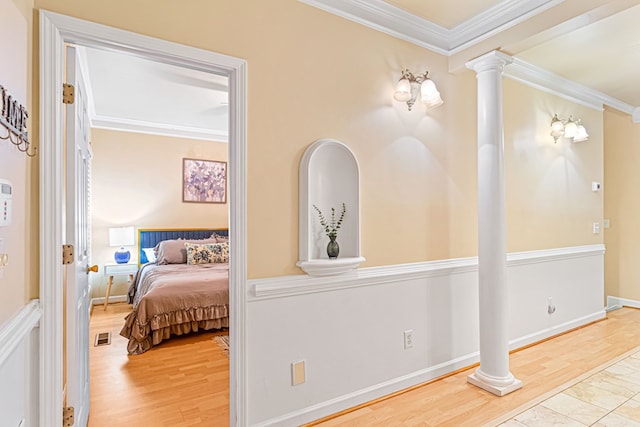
<point>329,267</point>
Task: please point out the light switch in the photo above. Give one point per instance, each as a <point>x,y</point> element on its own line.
<point>298,374</point>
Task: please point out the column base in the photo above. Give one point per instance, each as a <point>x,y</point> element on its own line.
<point>498,390</point>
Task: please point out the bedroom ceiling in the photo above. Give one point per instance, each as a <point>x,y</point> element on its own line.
<point>136,94</point>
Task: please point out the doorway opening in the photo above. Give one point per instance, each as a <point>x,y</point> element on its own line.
<point>55,31</point>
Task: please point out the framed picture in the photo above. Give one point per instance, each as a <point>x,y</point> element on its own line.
<point>204,181</point>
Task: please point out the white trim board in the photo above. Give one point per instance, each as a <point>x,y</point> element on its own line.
<point>152,128</point>
<point>112,299</point>
<point>286,286</point>
<point>16,329</point>
<point>614,303</point>
<point>384,17</point>
<point>55,31</point>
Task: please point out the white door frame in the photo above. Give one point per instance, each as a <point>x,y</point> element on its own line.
<point>55,30</point>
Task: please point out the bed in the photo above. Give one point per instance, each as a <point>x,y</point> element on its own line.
<point>182,286</point>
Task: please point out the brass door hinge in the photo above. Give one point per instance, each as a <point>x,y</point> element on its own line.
<point>68,94</point>
<point>67,254</point>
<point>67,416</point>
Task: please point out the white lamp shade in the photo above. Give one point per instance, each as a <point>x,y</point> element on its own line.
<point>403,90</point>
<point>581,133</point>
<point>557,127</point>
<point>430,95</point>
<point>121,236</point>
<point>570,129</point>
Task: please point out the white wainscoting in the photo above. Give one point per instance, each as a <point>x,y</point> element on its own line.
<point>349,328</point>
<point>19,368</point>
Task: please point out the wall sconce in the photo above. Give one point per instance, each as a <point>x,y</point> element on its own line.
<point>407,90</point>
<point>569,128</point>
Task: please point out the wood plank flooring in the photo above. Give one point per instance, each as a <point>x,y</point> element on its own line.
<point>542,368</point>
<point>184,381</point>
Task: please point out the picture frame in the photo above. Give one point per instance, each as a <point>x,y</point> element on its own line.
<point>204,181</point>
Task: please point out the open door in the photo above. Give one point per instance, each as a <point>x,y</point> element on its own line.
<point>77,291</point>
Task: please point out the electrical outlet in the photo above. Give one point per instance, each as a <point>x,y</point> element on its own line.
<point>408,339</point>
<point>596,228</point>
<point>550,307</point>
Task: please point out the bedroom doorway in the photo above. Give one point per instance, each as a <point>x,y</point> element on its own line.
<point>55,31</point>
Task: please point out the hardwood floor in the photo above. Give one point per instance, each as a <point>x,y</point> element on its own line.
<point>182,382</point>
<point>542,368</point>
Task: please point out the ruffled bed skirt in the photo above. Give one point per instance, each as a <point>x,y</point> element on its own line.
<point>144,335</point>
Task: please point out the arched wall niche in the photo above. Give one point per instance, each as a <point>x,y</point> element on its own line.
<point>329,176</point>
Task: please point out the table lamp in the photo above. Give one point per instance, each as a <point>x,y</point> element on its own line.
<point>121,236</point>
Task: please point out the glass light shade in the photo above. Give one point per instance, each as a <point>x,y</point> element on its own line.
<point>403,90</point>
<point>557,127</point>
<point>570,129</point>
<point>581,134</point>
<point>430,95</point>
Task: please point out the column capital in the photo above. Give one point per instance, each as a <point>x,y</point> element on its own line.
<point>493,60</point>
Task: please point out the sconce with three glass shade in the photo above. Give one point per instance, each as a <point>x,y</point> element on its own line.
<point>410,85</point>
<point>570,129</point>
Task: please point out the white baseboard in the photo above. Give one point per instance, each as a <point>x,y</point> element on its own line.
<point>368,394</point>
<point>614,303</point>
<point>112,299</point>
<point>543,334</point>
<point>350,400</point>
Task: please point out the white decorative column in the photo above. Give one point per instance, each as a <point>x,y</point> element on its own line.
<point>493,374</point>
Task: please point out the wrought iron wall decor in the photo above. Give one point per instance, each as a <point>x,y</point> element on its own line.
<point>13,116</point>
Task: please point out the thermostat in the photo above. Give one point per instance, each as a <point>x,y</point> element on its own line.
<point>6,192</point>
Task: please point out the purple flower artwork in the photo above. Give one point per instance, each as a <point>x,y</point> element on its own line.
<point>204,181</point>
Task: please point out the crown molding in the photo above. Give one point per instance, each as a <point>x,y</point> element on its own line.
<point>547,81</point>
<point>392,20</point>
<point>140,126</point>
<point>389,19</point>
<point>494,20</point>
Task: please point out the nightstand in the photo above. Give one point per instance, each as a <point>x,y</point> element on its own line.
<point>111,270</point>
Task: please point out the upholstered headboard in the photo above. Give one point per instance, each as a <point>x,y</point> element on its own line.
<point>150,237</point>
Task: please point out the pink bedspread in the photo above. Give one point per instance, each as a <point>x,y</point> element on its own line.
<point>176,299</point>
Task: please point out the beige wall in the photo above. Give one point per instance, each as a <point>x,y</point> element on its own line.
<point>548,185</point>
<point>137,181</point>
<point>17,277</point>
<point>622,205</point>
<point>313,75</point>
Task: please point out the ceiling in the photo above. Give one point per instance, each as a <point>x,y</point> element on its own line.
<point>130,93</point>
<point>603,54</point>
<point>591,47</point>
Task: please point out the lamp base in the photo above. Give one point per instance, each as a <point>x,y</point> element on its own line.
<point>122,256</point>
